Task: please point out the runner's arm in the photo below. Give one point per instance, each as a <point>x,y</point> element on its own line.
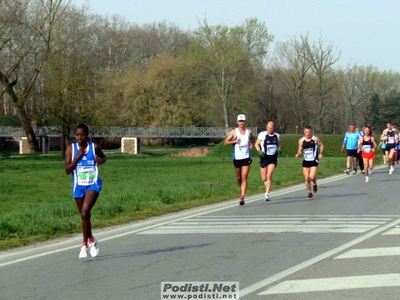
<point>321,147</point>
<point>229,140</point>
<point>300,149</point>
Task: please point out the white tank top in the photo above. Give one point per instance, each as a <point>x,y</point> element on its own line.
<point>241,150</point>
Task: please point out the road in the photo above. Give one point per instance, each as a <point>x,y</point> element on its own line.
<point>342,244</point>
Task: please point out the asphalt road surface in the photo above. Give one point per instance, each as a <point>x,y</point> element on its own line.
<point>342,244</point>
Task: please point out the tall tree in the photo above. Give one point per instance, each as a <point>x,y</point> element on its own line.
<point>66,80</point>
<point>359,84</point>
<point>224,52</point>
<point>292,66</point>
<point>26,41</point>
<point>164,95</point>
<point>390,109</point>
<point>322,58</point>
<point>373,116</point>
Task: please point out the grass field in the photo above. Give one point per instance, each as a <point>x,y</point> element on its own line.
<point>36,201</point>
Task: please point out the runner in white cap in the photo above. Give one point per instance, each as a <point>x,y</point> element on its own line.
<point>242,140</point>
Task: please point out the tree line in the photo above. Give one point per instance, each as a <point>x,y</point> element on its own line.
<point>59,60</point>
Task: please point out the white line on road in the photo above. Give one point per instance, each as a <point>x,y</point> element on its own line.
<point>267,281</point>
<point>248,224</point>
<point>370,252</point>
<point>394,231</point>
<point>334,283</point>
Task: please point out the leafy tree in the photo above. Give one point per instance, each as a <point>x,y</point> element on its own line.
<point>373,116</point>
<point>160,95</point>
<point>224,52</point>
<point>390,109</point>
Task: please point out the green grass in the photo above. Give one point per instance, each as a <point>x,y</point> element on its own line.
<point>36,201</point>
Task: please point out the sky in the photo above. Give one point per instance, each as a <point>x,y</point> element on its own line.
<point>362,32</point>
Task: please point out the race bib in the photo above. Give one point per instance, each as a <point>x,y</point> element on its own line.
<point>391,140</point>
<point>271,149</point>
<point>86,175</point>
<point>366,148</point>
<point>308,154</point>
<point>243,148</point>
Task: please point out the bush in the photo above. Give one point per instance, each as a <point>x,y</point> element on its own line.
<point>9,120</point>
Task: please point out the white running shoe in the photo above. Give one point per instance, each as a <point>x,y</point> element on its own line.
<point>366,179</point>
<point>391,170</point>
<point>266,197</point>
<point>84,252</point>
<point>94,247</point>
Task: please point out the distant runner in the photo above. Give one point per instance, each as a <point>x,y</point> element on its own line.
<point>268,144</point>
<point>367,146</point>
<point>390,138</point>
<point>308,147</point>
<point>242,140</point>
<point>350,142</point>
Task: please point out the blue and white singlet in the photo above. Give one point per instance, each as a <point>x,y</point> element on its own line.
<point>86,172</point>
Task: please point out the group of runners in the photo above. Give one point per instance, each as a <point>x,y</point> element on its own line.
<point>360,146</point>
<point>83,157</point>
<point>268,145</point>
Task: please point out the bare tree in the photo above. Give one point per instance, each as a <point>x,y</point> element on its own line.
<point>322,58</point>
<point>292,66</point>
<point>26,41</point>
<point>67,80</point>
<point>359,85</point>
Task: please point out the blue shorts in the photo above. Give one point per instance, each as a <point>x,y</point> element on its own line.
<point>390,147</point>
<point>352,152</point>
<point>80,190</point>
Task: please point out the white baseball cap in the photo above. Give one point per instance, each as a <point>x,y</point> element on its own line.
<point>241,117</point>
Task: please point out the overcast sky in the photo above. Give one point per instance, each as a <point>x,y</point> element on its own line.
<point>364,32</point>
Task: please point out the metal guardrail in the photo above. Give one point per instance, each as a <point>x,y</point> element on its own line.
<point>119,132</point>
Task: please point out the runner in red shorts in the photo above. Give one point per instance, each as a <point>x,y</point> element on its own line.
<point>367,146</point>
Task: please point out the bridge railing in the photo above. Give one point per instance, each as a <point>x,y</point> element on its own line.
<point>119,132</point>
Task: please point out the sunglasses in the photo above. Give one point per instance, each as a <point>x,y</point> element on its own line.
<point>241,121</point>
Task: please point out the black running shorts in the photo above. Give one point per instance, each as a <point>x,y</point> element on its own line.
<point>238,163</point>
<point>309,164</point>
<point>268,161</point>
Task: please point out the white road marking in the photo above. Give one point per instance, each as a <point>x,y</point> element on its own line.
<point>274,224</point>
<point>393,231</point>
<point>334,283</point>
<point>267,281</point>
<point>370,252</point>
